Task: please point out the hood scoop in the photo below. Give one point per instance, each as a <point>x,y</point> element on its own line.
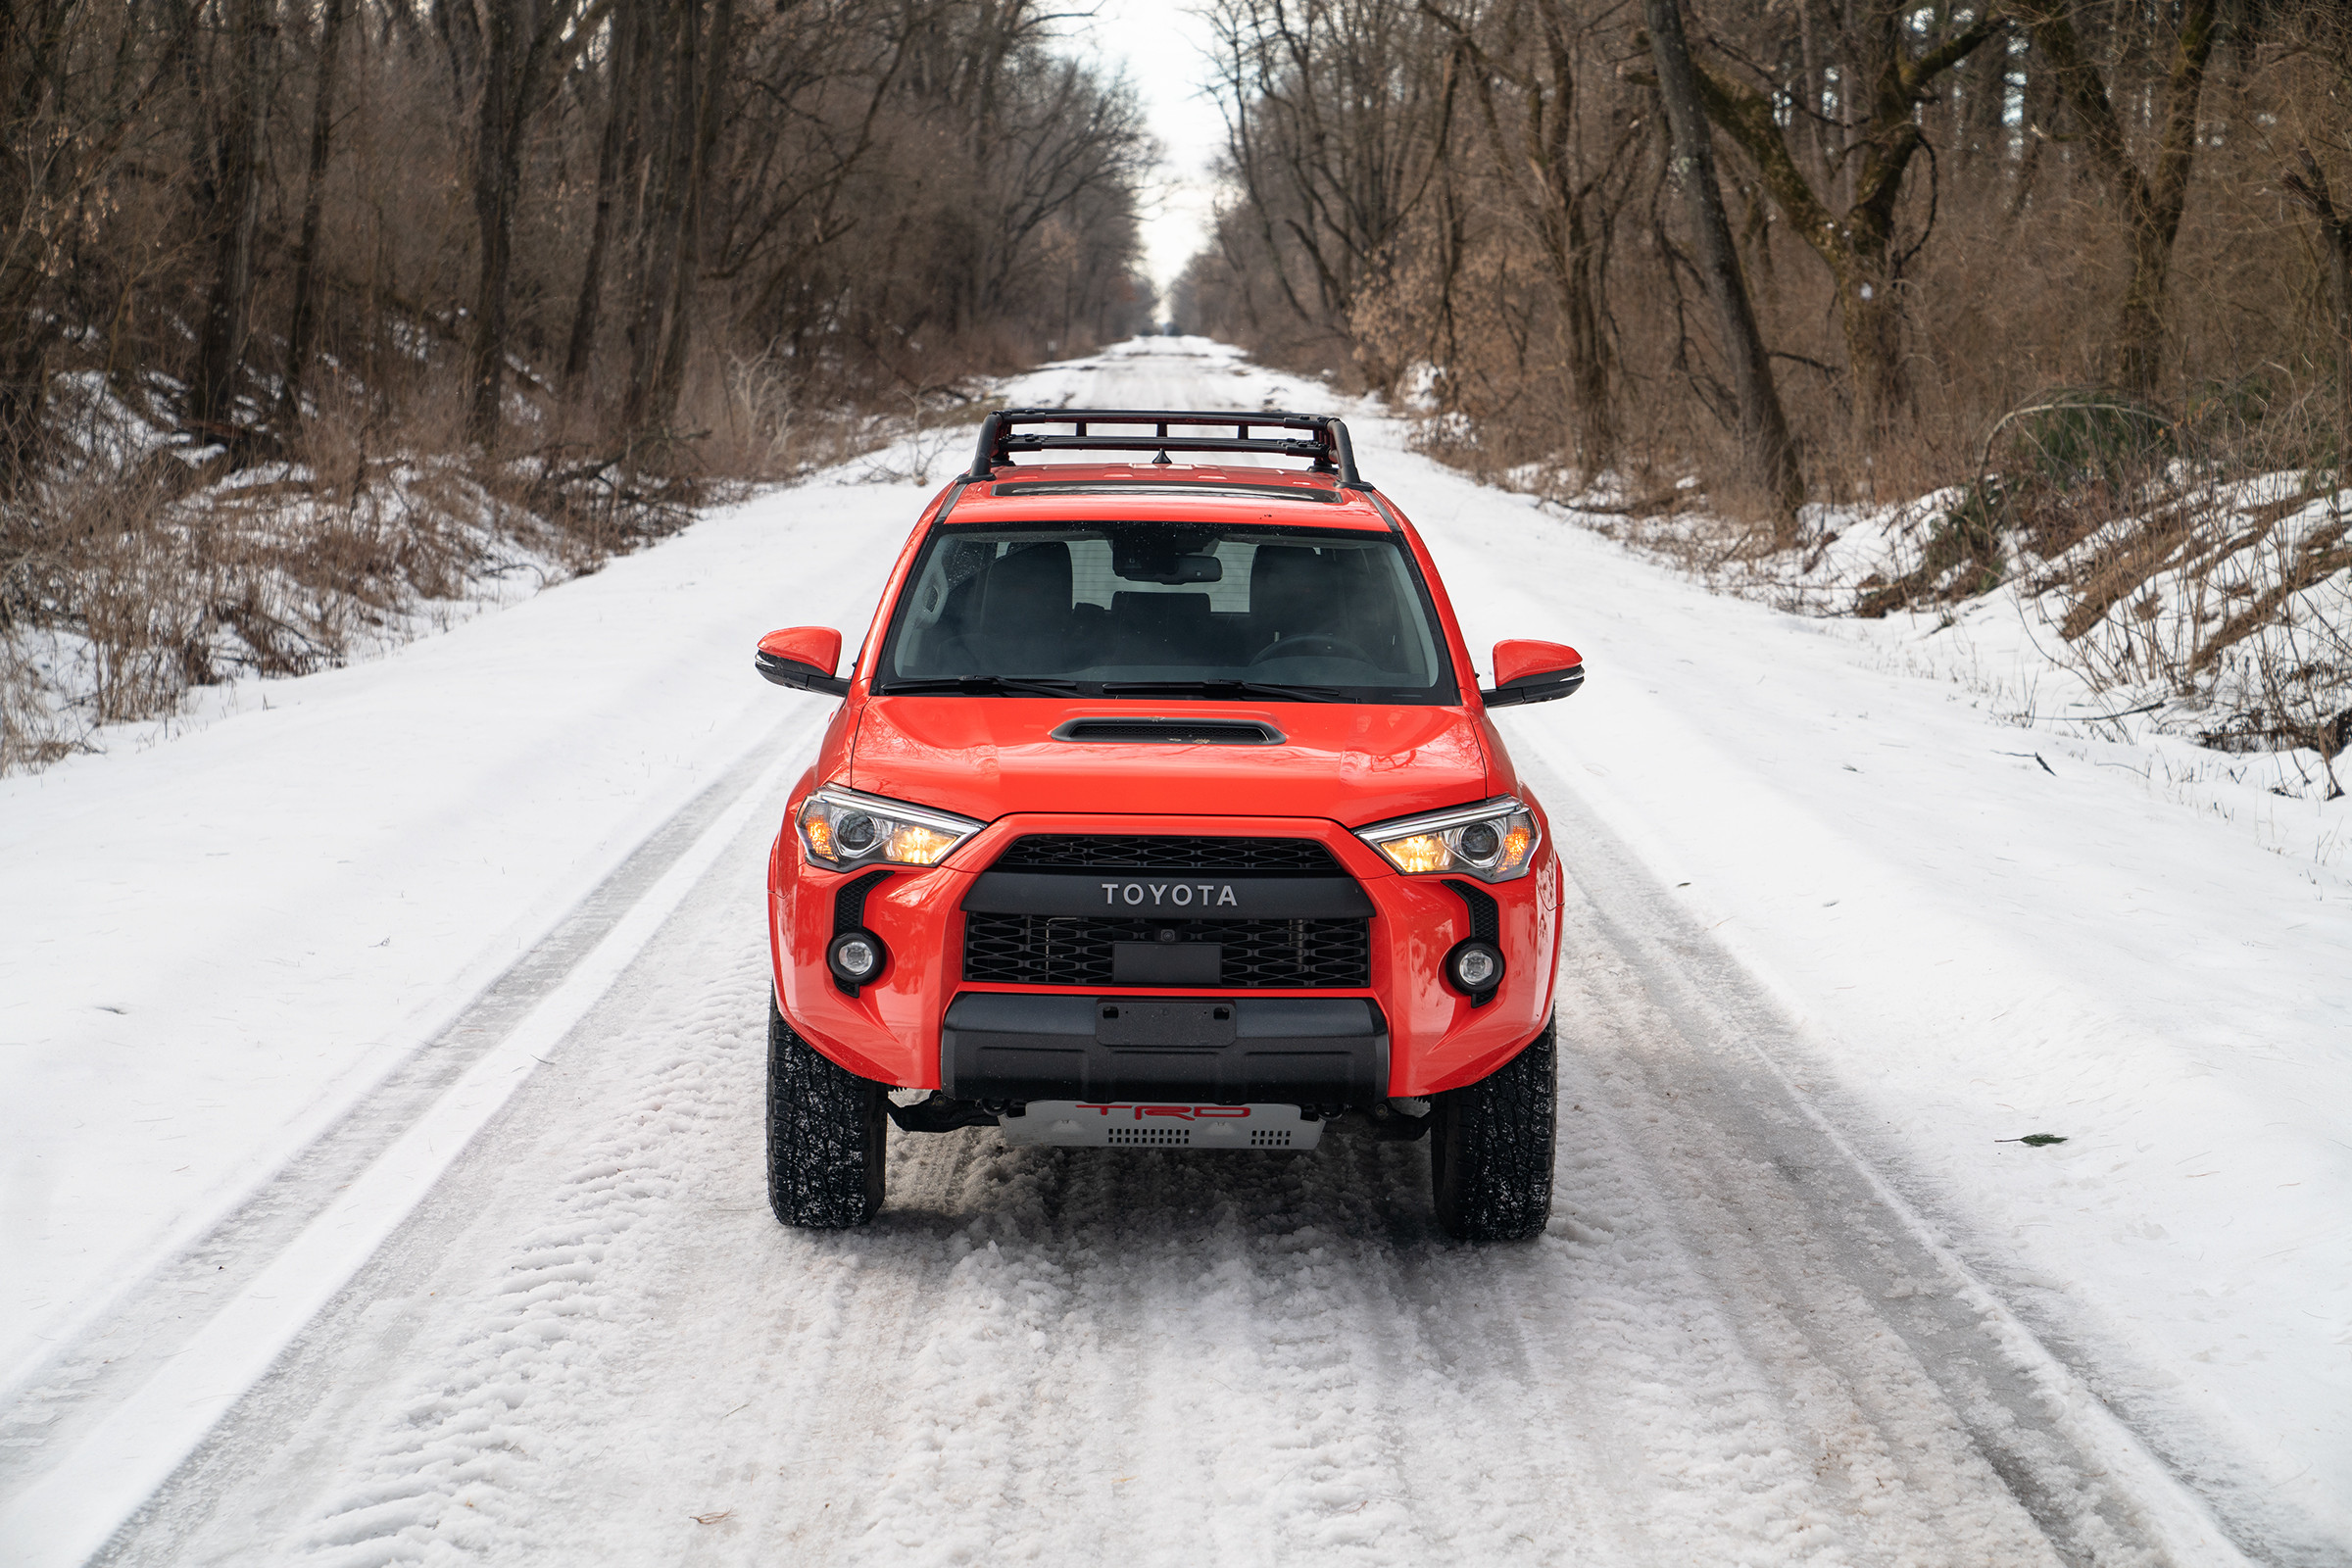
<point>1171,732</point>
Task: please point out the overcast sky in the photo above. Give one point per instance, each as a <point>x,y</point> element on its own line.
<point>1159,44</point>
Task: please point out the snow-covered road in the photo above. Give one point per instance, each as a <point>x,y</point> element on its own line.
<point>488,1275</point>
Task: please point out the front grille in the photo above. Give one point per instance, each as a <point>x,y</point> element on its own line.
<point>1079,852</point>
<point>1039,949</point>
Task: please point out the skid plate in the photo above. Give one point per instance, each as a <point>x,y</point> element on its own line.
<point>1137,1125</point>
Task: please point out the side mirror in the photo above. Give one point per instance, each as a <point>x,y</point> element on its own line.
<point>804,658</point>
<point>1534,672</point>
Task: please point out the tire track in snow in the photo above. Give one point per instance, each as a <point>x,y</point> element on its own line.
<point>462,1468</point>
<point>1036,1352</point>
<point>127,1400</point>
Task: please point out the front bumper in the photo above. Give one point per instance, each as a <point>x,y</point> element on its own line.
<point>919,1024</point>
<point>1298,1051</point>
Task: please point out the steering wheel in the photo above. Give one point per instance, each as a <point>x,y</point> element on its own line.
<point>1306,644</point>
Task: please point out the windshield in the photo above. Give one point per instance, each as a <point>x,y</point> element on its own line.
<point>1156,610</point>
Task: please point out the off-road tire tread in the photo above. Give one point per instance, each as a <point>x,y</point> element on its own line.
<point>827,1132</point>
<point>1491,1147</point>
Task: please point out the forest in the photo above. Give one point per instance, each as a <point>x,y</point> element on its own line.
<point>315,309</point>
<point>612,216</point>
<point>1817,244</point>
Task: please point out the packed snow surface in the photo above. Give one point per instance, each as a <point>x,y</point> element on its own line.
<point>383,1060</point>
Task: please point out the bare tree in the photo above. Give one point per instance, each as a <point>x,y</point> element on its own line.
<point>625,45</point>
<point>688,100</point>
<point>231,199</point>
<point>1556,187</point>
<point>1764,437</point>
<point>1337,118</point>
<point>2150,202</point>
<point>502,56</point>
<point>2307,185</point>
<point>302,332</point>
<point>64,129</point>
<point>1852,226</point>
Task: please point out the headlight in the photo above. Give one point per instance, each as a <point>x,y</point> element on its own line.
<point>842,829</point>
<point>1493,841</point>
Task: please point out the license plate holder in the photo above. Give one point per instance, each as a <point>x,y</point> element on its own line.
<point>1175,1025</point>
<point>1167,964</point>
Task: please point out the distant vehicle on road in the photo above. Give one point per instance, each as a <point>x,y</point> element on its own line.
<point>1163,810</point>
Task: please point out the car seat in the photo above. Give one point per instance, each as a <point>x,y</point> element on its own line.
<point>1293,591</point>
<point>1018,614</point>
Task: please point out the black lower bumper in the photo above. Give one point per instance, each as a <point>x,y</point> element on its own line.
<point>1303,1051</point>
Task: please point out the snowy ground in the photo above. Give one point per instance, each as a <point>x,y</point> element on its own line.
<point>381,1066</point>
<point>2176,654</point>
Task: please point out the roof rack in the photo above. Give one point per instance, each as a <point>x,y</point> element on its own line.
<point>1323,439</point>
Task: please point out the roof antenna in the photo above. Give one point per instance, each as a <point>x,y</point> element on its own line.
<point>1160,459</point>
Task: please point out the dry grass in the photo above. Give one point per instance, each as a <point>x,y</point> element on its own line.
<point>140,572</point>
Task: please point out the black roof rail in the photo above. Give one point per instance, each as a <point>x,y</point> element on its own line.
<point>1322,438</point>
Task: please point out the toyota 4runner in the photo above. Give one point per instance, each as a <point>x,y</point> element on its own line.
<point>1163,810</point>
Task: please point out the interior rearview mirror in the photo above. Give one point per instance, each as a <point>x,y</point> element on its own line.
<point>1534,672</point>
<point>804,658</point>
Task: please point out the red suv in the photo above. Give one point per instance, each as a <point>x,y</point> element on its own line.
<point>1163,810</point>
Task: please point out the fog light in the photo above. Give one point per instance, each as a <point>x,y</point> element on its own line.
<point>1474,967</point>
<point>854,956</point>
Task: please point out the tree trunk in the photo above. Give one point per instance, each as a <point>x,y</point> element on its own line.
<point>235,217</point>
<point>621,88</point>
<point>1985,110</point>
<point>662,332</point>
<point>303,330</point>
<point>2308,186</point>
<point>1769,455</point>
<point>501,51</point>
<point>1587,348</point>
<point>664,223</point>
<point>688,272</point>
<point>1574,257</point>
<point>495,182</point>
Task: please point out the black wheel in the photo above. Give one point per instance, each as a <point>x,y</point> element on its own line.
<point>1490,1148</point>
<point>824,1135</point>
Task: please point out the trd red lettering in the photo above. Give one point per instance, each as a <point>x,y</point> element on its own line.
<point>1220,1111</point>
<point>1179,1112</point>
<point>1104,1110</point>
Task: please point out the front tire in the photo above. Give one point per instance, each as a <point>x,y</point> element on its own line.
<point>1491,1149</point>
<point>825,1135</point>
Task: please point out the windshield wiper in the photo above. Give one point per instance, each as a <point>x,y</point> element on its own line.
<point>1222,688</point>
<point>986,686</point>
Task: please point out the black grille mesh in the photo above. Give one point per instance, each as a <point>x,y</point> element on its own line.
<point>1037,950</point>
<point>1076,852</point>
<point>849,903</point>
<point>1486,917</point>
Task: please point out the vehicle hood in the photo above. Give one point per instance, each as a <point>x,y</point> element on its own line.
<point>989,757</point>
